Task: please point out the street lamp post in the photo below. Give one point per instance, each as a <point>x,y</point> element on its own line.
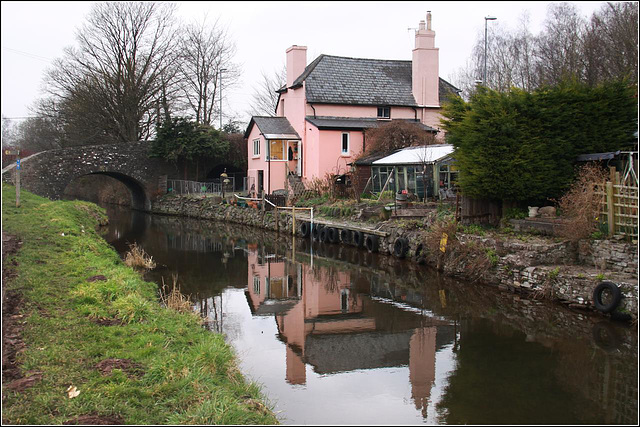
<point>222,70</point>
<point>487,18</point>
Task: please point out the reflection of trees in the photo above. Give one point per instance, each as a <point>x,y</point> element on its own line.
<point>500,378</point>
<point>328,276</point>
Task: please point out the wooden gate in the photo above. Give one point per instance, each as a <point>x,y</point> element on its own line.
<point>619,205</point>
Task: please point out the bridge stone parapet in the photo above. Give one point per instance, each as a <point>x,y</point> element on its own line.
<point>48,173</point>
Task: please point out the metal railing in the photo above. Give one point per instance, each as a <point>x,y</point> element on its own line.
<point>179,186</point>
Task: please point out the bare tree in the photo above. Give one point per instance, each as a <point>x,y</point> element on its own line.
<point>611,43</point>
<point>395,135</point>
<point>605,48</point>
<point>9,131</point>
<point>559,46</point>
<point>114,78</point>
<point>426,157</point>
<point>265,96</point>
<point>206,55</point>
<point>38,134</point>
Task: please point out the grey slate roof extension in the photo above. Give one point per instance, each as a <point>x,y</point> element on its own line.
<point>356,123</point>
<point>355,81</point>
<point>273,127</point>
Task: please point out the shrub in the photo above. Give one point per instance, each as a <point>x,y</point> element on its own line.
<point>521,146</point>
<point>580,206</point>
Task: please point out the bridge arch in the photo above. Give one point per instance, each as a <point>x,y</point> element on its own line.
<point>48,173</point>
<point>140,200</point>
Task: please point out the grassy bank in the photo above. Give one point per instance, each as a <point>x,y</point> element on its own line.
<point>92,323</point>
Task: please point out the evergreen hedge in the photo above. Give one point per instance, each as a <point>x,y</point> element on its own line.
<point>522,147</point>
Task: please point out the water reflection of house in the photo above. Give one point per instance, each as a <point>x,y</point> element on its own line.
<point>329,325</point>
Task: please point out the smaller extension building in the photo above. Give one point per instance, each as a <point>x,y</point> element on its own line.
<point>421,171</point>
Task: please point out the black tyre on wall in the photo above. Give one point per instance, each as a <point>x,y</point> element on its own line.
<point>315,233</point>
<point>400,247</point>
<point>606,297</point>
<point>358,238</point>
<point>371,243</point>
<point>324,234</point>
<point>345,235</point>
<point>334,235</point>
<point>305,229</point>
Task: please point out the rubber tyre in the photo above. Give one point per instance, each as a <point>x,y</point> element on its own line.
<point>324,234</point>
<point>305,229</point>
<point>345,235</point>
<point>371,243</point>
<point>334,235</point>
<point>315,233</point>
<point>400,247</point>
<point>616,296</point>
<point>358,238</point>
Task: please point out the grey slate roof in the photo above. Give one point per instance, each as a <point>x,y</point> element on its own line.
<point>341,80</point>
<point>351,123</point>
<point>276,127</point>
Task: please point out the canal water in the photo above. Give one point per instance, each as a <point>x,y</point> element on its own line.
<point>335,335</point>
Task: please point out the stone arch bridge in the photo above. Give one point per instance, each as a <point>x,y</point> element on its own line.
<point>49,172</point>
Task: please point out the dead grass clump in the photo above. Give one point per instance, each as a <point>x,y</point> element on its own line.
<point>137,257</point>
<point>580,205</point>
<point>174,299</point>
<point>321,186</point>
<point>470,258</point>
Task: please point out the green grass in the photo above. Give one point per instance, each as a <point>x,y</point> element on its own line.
<point>189,375</point>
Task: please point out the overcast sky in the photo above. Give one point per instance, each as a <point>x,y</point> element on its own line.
<point>35,33</point>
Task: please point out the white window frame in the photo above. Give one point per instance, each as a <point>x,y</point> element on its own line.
<point>383,117</point>
<point>342,151</point>
<point>285,145</point>
<point>256,144</point>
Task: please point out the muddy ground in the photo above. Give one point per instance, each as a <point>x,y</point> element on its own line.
<point>12,344</point>
<point>11,318</point>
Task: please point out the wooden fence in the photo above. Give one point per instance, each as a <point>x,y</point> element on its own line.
<point>619,205</point>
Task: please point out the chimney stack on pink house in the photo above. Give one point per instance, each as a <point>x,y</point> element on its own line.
<point>425,69</point>
<point>296,62</point>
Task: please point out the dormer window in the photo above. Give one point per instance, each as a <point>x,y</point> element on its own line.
<point>384,112</point>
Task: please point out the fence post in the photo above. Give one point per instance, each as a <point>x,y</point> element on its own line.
<point>610,209</point>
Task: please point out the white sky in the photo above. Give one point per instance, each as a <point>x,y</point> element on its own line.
<point>35,33</point>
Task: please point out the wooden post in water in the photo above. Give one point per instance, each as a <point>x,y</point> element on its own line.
<point>293,227</point>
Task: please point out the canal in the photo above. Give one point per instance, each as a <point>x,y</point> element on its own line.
<point>335,335</point>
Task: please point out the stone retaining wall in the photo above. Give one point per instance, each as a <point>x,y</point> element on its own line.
<point>609,255</point>
<point>542,267</point>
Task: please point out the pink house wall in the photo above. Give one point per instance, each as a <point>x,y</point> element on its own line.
<point>276,172</point>
<point>329,157</point>
<point>321,149</point>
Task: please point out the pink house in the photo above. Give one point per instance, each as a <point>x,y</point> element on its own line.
<point>326,107</point>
